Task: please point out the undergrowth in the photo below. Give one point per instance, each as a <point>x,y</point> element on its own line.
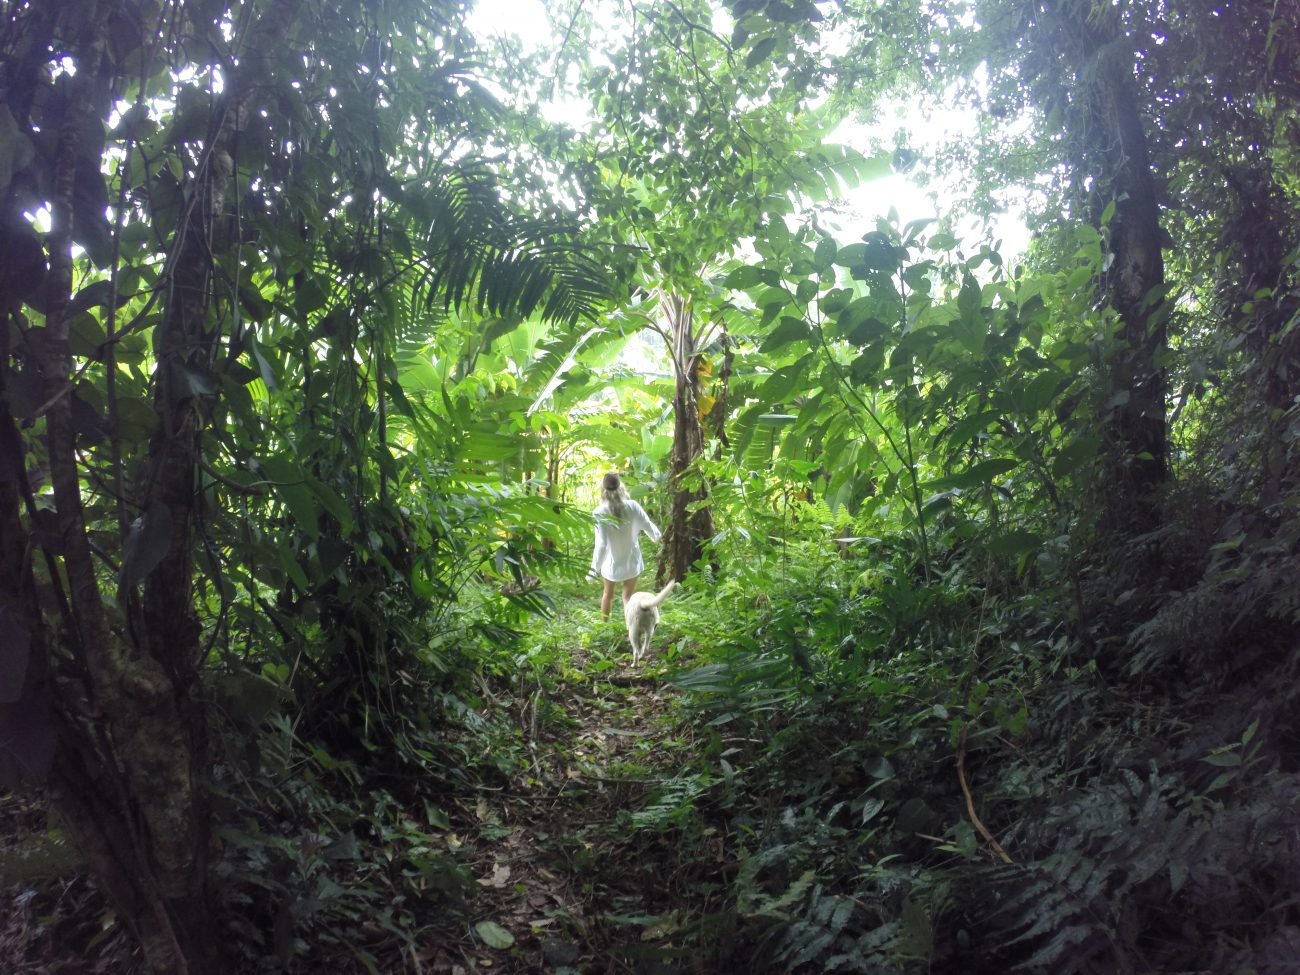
<point>1144,800</point>
<point>835,735</point>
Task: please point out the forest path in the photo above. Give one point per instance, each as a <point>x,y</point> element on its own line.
<point>577,825</point>
<point>572,874</point>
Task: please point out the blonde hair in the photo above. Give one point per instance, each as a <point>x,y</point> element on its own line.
<point>614,495</point>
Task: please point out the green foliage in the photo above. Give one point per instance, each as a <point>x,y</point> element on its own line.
<point>924,385</point>
<point>312,322</point>
<point>344,869</point>
<point>833,765</point>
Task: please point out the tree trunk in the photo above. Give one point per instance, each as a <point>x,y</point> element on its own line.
<point>1257,233</point>
<point>129,763</point>
<point>164,622</point>
<point>1105,133</point>
<point>688,530</point>
<point>132,808</point>
<point>1135,430</point>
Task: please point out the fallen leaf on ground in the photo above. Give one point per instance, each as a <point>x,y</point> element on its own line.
<point>494,935</point>
<point>500,874</point>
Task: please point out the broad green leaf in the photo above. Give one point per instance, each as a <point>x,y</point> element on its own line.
<point>16,150</point>
<point>918,277</point>
<point>494,935</point>
<point>94,295</point>
<point>85,335</point>
<point>851,256</point>
<point>289,563</point>
<point>980,474</point>
<point>965,429</point>
<point>824,254</point>
<point>1014,542</point>
<point>418,374</point>
<point>264,367</point>
<point>759,52</point>
<point>835,301</point>
<point>332,502</point>
<point>147,542</point>
<point>90,226</point>
<point>743,278</point>
<point>859,325</point>
<point>290,485</point>
<point>870,168</point>
<point>612,440</point>
<point>969,327</point>
<point>789,330</point>
<point>136,419</point>
<point>1075,454</point>
<point>483,443</point>
<point>879,254</point>
<point>1250,732</point>
<point>988,470</point>
<point>254,305</point>
<point>310,297</point>
<point>1041,391</point>
<point>1224,759</point>
<point>785,380</point>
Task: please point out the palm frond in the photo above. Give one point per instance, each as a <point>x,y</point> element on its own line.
<point>477,252</point>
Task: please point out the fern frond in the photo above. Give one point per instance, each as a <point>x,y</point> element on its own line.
<point>1051,907</point>
<point>1189,624</point>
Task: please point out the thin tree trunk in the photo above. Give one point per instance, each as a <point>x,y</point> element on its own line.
<point>164,620</point>
<point>688,530</point>
<point>1257,232</point>
<point>132,810</point>
<point>1109,146</point>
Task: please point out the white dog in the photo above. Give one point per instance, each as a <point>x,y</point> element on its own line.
<point>642,614</point>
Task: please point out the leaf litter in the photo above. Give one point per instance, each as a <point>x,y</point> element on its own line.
<point>557,867</point>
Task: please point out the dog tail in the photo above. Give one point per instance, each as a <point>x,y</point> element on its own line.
<point>662,594</point>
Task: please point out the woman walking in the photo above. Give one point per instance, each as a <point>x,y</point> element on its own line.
<point>619,523</point>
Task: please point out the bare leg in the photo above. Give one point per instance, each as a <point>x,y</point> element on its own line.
<point>607,598</point>
<point>629,587</point>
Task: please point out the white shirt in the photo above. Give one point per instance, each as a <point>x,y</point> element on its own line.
<point>618,549</point>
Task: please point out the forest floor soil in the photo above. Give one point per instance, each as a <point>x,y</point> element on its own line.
<point>45,901</point>
<point>561,861</point>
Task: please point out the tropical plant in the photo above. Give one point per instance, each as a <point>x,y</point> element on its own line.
<point>316,332</point>
<point>197,391</point>
<point>682,174</point>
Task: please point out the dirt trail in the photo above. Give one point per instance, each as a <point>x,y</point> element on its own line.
<point>558,864</point>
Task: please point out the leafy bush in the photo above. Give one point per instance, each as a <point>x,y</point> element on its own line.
<point>839,710</point>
